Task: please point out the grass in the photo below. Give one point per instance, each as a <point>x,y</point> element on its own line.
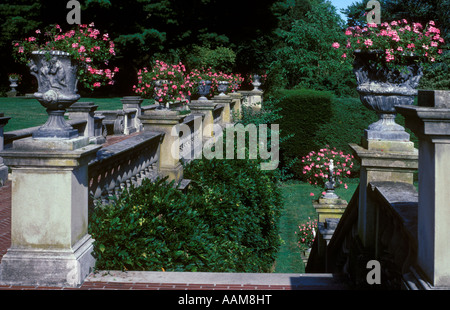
<point>297,209</point>
<point>26,112</point>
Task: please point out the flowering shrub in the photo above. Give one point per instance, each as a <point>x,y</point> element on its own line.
<point>173,86</point>
<point>316,166</point>
<point>236,82</point>
<point>85,44</point>
<point>395,40</point>
<point>306,234</point>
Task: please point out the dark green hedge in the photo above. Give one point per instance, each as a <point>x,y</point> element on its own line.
<point>317,118</point>
<point>226,222</point>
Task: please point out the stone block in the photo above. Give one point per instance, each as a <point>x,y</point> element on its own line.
<point>329,208</point>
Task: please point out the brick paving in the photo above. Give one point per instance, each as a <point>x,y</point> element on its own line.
<point>138,282</point>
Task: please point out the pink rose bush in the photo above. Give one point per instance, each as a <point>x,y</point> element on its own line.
<point>316,166</point>
<point>173,86</point>
<point>394,41</point>
<point>306,234</point>
<point>90,48</point>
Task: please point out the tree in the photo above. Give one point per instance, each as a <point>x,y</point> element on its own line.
<point>305,58</point>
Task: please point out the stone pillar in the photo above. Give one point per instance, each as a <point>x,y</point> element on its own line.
<point>206,108</point>
<point>329,208</point>
<point>170,158</point>
<point>86,111</point>
<point>50,244</point>
<point>236,109</point>
<point>225,101</point>
<point>3,169</point>
<point>381,160</point>
<point>134,103</point>
<point>430,121</point>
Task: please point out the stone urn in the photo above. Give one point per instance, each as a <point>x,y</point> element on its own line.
<point>256,82</point>
<point>204,88</point>
<point>56,73</point>
<point>13,85</point>
<point>381,89</point>
<point>158,88</point>
<point>222,87</point>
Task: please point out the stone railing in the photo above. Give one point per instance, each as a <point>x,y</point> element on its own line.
<point>190,146</point>
<point>124,164</point>
<point>395,245</point>
<point>388,222</point>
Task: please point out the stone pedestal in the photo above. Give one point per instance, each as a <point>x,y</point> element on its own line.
<point>50,244</point>
<point>327,208</point>
<point>86,111</point>
<point>430,121</point>
<point>225,101</point>
<point>236,109</point>
<point>167,122</point>
<point>207,109</point>
<point>394,161</point>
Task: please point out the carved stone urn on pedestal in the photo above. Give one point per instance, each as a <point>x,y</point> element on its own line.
<point>204,88</point>
<point>56,73</point>
<point>381,89</point>
<point>222,87</point>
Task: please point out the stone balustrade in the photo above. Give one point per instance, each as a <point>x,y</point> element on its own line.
<point>124,164</point>
<point>388,221</point>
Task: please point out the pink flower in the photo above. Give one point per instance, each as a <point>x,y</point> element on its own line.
<point>335,45</point>
<point>311,194</point>
<point>81,49</point>
<point>97,84</point>
<point>368,42</point>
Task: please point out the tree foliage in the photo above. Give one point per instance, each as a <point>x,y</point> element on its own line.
<point>304,59</point>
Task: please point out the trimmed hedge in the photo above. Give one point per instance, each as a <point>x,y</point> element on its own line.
<point>317,118</point>
<point>226,222</point>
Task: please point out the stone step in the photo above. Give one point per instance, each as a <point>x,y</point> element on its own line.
<point>210,279</point>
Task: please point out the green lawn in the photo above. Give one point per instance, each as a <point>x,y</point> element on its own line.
<point>27,113</point>
<point>297,208</point>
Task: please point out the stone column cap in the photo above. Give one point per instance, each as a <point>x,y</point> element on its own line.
<point>82,107</point>
<point>202,105</point>
<point>426,121</point>
<point>386,160</point>
<point>29,154</point>
<point>163,116</point>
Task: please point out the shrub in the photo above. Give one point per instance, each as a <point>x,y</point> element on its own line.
<point>151,227</point>
<point>243,207</point>
<point>227,222</point>
<point>316,166</point>
<point>306,234</point>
